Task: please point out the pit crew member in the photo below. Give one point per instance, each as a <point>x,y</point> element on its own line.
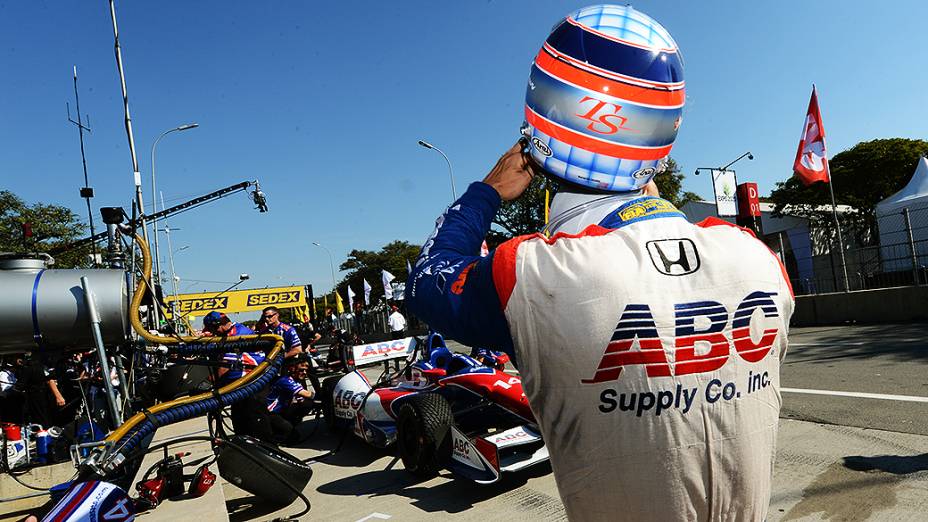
<point>249,415</point>
<point>288,401</point>
<point>270,321</point>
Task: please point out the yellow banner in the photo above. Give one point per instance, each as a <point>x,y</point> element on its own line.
<point>239,300</point>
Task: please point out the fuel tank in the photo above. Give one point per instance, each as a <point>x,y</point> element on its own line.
<point>43,309</point>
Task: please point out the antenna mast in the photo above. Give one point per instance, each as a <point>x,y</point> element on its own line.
<point>86,190</point>
<point>137,176</point>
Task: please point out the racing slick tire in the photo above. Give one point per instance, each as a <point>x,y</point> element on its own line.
<point>328,401</point>
<point>423,434</point>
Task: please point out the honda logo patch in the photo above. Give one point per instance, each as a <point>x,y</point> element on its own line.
<point>674,257</point>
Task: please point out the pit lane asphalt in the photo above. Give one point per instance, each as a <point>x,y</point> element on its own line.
<point>882,359</point>
<point>839,458</point>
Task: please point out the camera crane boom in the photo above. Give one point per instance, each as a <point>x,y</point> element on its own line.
<point>257,197</point>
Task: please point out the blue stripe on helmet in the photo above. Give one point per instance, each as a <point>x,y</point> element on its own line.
<point>615,56</point>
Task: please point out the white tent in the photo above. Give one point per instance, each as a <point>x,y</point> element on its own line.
<point>895,246</point>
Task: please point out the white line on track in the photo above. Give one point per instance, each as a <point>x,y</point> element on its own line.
<point>837,343</point>
<point>861,395</point>
<point>372,516</point>
<point>858,343</point>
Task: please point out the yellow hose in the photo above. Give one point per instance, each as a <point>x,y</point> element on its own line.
<point>140,328</point>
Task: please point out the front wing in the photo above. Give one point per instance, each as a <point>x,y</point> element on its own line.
<point>484,458</point>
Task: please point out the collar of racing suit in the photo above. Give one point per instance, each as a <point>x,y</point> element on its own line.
<point>571,212</point>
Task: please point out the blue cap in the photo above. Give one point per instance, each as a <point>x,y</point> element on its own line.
<point>213,319</point>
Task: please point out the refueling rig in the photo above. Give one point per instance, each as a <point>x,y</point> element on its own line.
<point>44,310</point>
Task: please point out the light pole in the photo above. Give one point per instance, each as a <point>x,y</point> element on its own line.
<point>331,264</point>
<point>174,277</point>
<point>154,205</point>
<point>739,158</point>
<point>428,145</point>
<point>722,170</point>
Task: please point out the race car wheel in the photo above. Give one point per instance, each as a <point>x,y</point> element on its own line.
<point>423,434</point>
<point>328,401</point>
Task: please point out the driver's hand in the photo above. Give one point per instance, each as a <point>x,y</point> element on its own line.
<point>512,173</point>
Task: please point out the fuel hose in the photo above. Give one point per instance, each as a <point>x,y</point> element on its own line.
<point>133,431</point>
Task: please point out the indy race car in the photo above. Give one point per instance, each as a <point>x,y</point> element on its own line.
<point>443,410</point>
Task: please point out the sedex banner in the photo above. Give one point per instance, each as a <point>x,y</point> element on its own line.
<point>238,300</point>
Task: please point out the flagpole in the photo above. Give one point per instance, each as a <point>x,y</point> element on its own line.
<point>834,213</point>
<point>834,207</point>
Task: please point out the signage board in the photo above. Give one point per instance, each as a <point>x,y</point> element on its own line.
<point>724,183</point>
<point>238,300</point>
<point>383,351</point>
<point>748,200</point>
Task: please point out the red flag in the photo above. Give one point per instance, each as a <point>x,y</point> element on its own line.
<point>811,162</point>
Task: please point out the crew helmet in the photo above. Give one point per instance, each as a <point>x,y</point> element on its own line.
<point>605,99</point>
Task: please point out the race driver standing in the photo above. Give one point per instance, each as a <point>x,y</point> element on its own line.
<point>649,347</point>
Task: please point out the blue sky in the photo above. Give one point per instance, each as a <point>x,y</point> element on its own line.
<point>324,102</point>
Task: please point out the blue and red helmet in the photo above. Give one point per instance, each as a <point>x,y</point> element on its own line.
<point>605,99</point>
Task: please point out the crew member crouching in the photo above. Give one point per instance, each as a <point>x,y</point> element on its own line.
<point>288,401</point>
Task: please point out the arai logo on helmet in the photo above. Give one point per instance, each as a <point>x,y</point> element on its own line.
<point>643,173</point>
<point>541,147</point>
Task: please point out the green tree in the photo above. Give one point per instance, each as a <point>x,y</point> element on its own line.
<point>365,264</point>
<point>670,184</point>
<point>52,225</point>
<point>523,215</point>
<point>862,176</point>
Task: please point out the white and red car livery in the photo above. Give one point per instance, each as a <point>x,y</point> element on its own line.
<point>492,429</point>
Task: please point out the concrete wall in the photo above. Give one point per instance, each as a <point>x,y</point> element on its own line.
<point>885,305</point>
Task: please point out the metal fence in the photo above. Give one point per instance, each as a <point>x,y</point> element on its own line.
<point>894,254</point>
<point>373,323</point>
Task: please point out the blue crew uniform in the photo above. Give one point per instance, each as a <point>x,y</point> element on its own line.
<point>289,335</point>
<point>241,363</point>
<point>281,394</point>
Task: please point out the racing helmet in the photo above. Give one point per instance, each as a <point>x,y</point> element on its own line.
<point>605,99</point>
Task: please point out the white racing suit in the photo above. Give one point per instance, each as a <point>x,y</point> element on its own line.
<point>649,349</point>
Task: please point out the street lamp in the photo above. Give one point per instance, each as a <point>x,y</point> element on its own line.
<point>174,277</point>
<point>739,158</point>
<point>428,145</point>
<point>331,263</point>
<point>721,171</point>
<point>154,205</point>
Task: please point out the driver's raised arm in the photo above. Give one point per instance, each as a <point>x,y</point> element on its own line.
<point>451,287</point>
